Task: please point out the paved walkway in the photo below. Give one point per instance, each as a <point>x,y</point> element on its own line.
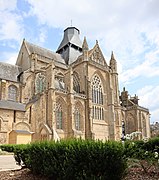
<point>7,162</point>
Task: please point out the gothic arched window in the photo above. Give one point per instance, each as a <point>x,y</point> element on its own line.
<point>59,81</point>
<point>76,82</point>
<point>77,119</point>
<point>97,98</point>
<point>58,116</point>
<point>97,92</point>
<point>40,83</point>
<point>12,93</point>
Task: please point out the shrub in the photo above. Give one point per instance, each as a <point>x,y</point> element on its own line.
<point>21,154</point>
<point>8,147</point>
<point>74,159</point>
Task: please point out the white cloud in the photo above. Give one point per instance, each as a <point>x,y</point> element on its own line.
<point>148,68</point>
<point>123,26</point>
<point>42,35</point>
<point>11,25</point>
<point>10,57</point>
<point>149,97</point>
<point>8,5</point>
<point>155,115</point>
<point>12,60</point>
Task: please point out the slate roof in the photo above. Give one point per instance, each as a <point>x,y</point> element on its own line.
<point>32,48</point>
<point>9,72</point>
<point>22,132</point>
<point>71,35</point>
<point>11,105</point>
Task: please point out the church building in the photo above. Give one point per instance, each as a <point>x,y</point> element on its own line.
<point>70,93</point>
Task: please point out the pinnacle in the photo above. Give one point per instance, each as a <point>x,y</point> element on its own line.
<point>85,44</point>
<point>112,56</point>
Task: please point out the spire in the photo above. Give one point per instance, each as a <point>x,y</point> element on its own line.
<point>112,56</point>
<point>85,45</point>
<point>113,63</point>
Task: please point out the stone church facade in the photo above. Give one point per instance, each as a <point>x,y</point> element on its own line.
<point>72,92</point>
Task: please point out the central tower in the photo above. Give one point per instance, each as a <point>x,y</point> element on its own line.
<point>71,45</point>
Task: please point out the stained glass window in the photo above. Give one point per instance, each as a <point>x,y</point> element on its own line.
<point>97,99</point>
<point>77,119</point>
<point>97,92</point>
<point>40,83</point>
<point>76,82</point>
<point>58,116</point>
<point>12,93</point>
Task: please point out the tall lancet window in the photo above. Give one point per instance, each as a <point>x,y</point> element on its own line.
<point>76,82</point>
<point>77,119</point>
<point>12,93</point>
<point>40,83</point>
<point>58,116</point>
<point>97,98</point>
<point>97,92</point>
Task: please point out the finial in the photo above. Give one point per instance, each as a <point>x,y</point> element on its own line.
<point>96,41</point>
<point>71,22</point>
<point>85,45</point>
<point>112,55</point>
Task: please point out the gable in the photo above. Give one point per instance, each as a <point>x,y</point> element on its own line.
<point>28,49</point>
<point>23,59</point>
<point>96,56</point>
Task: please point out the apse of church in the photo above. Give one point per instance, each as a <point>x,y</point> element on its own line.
<point>70,93</point>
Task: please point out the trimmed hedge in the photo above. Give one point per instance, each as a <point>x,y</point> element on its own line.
<point>8,147</point>
<point>74,159</point>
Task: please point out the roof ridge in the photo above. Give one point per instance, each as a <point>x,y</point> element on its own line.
<point>40,47</point>
<point>46,53</point>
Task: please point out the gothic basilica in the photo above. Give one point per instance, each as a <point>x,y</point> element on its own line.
<point>70,93</point>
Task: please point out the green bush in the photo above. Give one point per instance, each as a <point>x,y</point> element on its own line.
<point>74,159</point>
<point>21,154</point>
<point>8,147</point>
<point>152,145</point>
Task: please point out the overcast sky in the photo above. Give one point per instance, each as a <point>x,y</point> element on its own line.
<point>129,28</point>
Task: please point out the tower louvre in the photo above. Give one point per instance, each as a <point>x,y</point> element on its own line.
<point>71,45</point>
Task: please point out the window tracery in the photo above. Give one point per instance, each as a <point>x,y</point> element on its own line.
<point>97,56</point>
<point>97,92</point>
<point>59,115</point>
<point>77,117</point>
<point>97,99</point>
<point>59,81</point>
<point>12,93</point>
<point>76,82</point>
<point>40,83</point>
